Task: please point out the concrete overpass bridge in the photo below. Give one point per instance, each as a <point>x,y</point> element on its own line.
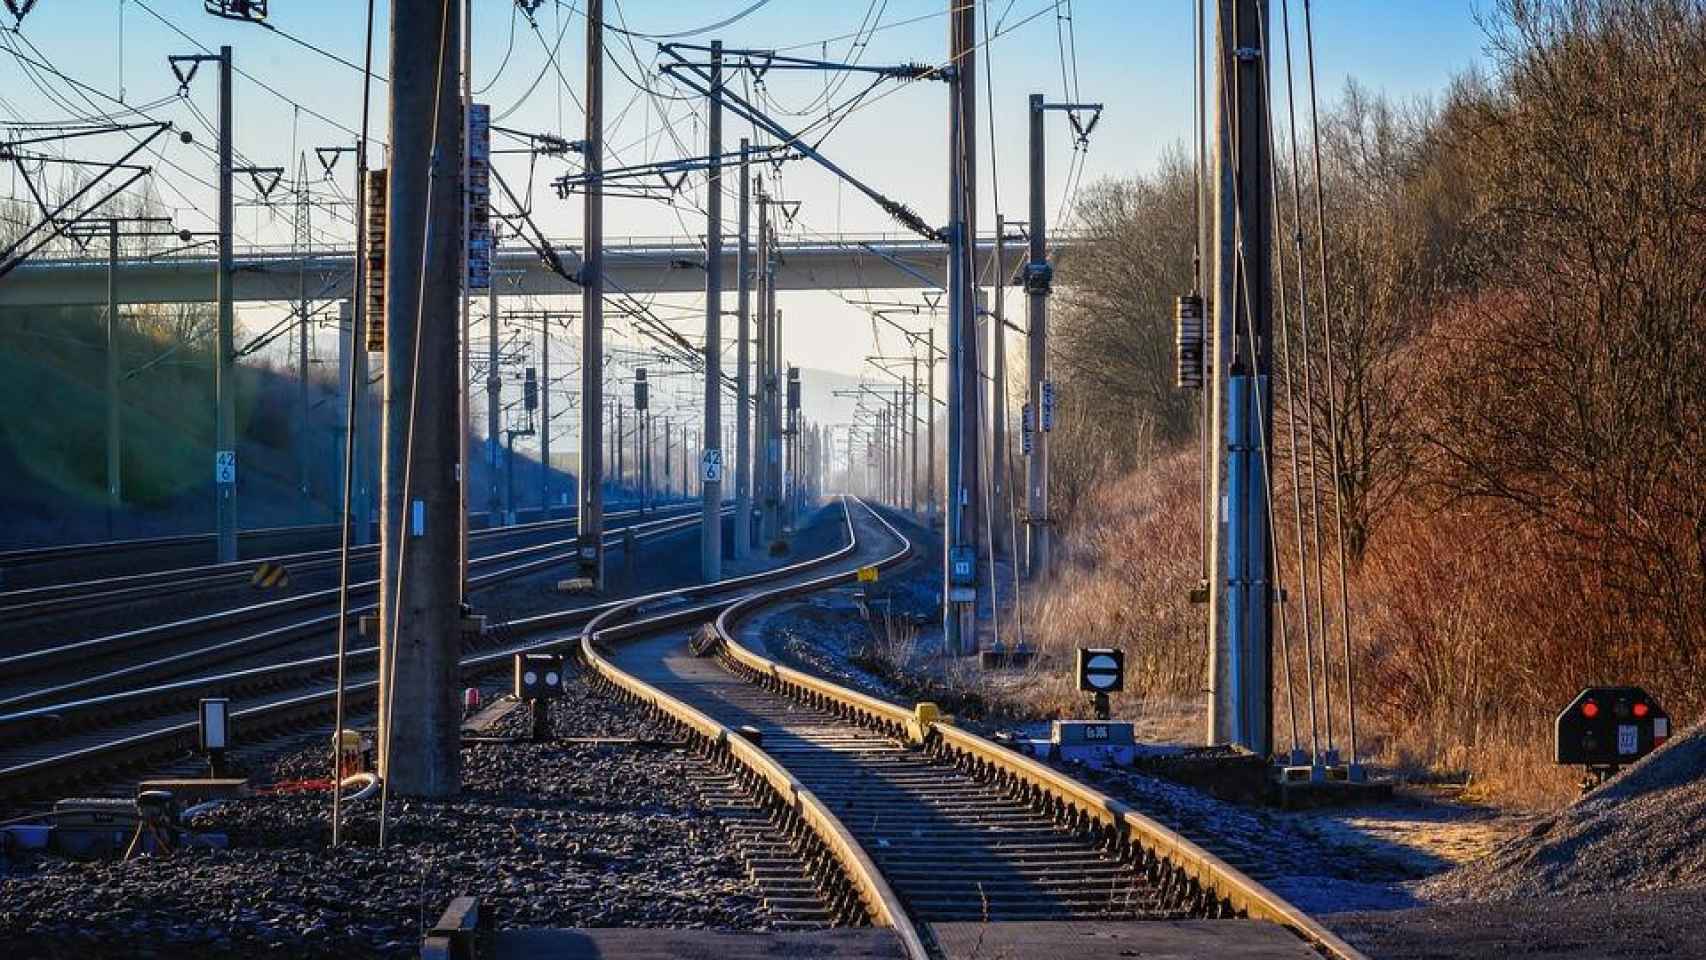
<point>638,266</point>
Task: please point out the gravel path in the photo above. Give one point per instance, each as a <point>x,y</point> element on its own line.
<point>547,834</point>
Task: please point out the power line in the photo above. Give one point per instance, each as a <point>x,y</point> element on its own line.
<point>684,34</point>
<point>329,55</point>
<point>247,75</point>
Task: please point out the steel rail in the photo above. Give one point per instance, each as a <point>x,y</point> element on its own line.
<point>879,900</point>
<point>23,722</point>
<point>50,598</point>
<point>190,626</point>
<point>30,778</point>
<point>1077,803</point>
<point>18,556</point>
<point>173,664</point>
<point>1139,840</point>
<point>27,555</point>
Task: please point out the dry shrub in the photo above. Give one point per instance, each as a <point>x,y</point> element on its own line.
<point>1130,565</point>
<point>1468,642</point>
<point>1518,295</point>
<point>892,647</point>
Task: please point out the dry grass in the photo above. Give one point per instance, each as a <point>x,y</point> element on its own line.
<point>1472,635</point>
<point>1518,437</point>
<point>892,647</point>
<point>1467,637</point>
<point>1125,582</point>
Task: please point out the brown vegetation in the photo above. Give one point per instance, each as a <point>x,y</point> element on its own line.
<point>1518,288</point>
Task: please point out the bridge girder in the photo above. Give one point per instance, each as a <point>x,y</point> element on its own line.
<point>639,269</point>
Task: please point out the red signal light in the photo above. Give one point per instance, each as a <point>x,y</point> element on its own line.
<point>1641,709</point>
<point>1590,709</point>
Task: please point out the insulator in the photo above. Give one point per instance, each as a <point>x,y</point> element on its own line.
<point>1188,341</point>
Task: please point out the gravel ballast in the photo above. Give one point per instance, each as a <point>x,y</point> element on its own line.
<point>1643,830</point>
<point>555,834</point>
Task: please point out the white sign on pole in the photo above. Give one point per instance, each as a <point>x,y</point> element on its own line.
<point>1048,404</point>
<point>711,466</point>
<point>225,467</point>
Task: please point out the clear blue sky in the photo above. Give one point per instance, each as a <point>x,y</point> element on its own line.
<point>1134,55</point>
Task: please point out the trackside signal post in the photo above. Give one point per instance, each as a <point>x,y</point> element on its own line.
<point>1100,671</point>
<point>1240,584</point>
<point>1608,728</point>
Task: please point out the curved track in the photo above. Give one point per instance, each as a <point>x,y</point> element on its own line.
<point>926,823</point>
<point>891,817</point>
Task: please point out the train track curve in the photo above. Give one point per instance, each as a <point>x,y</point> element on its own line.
<point>911,822</point>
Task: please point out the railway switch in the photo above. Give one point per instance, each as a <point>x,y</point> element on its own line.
<point>1606,728</point>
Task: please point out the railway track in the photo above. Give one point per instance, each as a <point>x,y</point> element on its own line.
<point>63,744</point>
<point>849,809</point>
<point>52,673</point>
<point>908,821</point>
<point>23,605</point>
<point>32,567</point>
<point>39,566</point>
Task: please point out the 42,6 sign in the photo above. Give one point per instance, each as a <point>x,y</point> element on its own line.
<point>711,466</point>
<point>225,467</point>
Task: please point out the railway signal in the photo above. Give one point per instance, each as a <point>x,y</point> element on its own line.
<point>1605,728</point>
<point>1101,671</point>
<point>538,679</point>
